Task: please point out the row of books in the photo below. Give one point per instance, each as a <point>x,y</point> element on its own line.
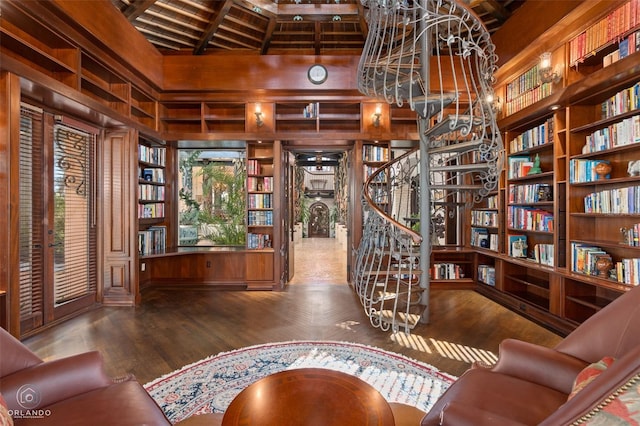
<point>539,135</point>
<point>260,183</point>
<point>528,98</point>
<point>614,201</point>
<point>525,82</point>
<point>258,241</point>
<point>625,132</point>
<point>624,101</point>
<point>584,258</point>
<point>626,47</point>
<point>150,211</point>
<point>152,155</point>
<point>519,166</point>
<point>631,235</point>
<point>446,271</point>
<point>487,274</point>
<point>484,218</point>
<point>375,153</point>
<point>584,171</point>
<point>153,240</point>
<point>544,254</point>
<point>369,170</point>
<point>481,237</point>
<point>311,110</point>
<point>260,201</point>
<point>605,31</point>
<point>260,218</point>
<point>150,192</point>
<point>529,219</point>
<point>492,201</point>
<point>255,167</point>
<point>530,193</point>
<point>151,174</point>
<point>628,271</point>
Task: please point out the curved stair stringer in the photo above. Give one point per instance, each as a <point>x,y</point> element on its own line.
<point>437,56</point>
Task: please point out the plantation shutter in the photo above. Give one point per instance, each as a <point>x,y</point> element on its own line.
<point>75,266</point>
<point>31,213</point>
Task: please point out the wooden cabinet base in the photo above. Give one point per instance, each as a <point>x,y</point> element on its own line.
<point>215,268</point>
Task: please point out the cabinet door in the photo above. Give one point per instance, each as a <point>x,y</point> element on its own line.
<point>259,267</point>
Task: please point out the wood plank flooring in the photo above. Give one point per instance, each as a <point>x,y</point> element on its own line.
<point>172,328</point>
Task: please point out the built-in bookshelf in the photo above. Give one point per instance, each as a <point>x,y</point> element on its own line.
<point>485,224</point>
<point>260,196</point>
<point>618,29</point>
<point>530,216</point>
<point>152,159</point>
<point>452,267</point>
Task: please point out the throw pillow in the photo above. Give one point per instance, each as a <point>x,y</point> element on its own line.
<point>5,418</point>
<point>589,373</point>
<point>623,410</point>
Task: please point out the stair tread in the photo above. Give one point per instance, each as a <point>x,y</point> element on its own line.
<point>452,123</point>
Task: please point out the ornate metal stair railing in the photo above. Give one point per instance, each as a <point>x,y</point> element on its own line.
<point>387,272</point>
<point>437,56</point>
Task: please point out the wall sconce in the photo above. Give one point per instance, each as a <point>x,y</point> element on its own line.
<point>493,102</point>
<point>545,69</point>
<point>376,116</point>
<point>258,113</point>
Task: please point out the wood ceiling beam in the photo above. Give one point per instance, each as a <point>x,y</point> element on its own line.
<point>211,29</point>
<point>268,35</point>
<point>317,9</point>
<point>137,9</point>
<point>492,7</point>
<point>317,38</point>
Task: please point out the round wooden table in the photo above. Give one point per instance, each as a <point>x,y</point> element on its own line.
<point>309,397</point>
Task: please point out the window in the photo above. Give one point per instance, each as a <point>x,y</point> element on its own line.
<point>212,199</point>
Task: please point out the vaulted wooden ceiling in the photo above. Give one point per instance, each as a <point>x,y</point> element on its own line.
<point>303,27</point>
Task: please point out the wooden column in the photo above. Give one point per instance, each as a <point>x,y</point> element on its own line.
<point>118,206</point>
<point>9,196</point>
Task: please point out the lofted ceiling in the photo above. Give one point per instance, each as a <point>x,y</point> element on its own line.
<point>276,27</point>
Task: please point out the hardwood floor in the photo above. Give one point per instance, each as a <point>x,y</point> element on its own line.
<point>172,328</point>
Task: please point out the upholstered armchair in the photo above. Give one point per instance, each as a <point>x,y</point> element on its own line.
<point>69,391</point>
<point>593,375</point>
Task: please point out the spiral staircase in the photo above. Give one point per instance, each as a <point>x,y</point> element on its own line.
<point>438,57</point>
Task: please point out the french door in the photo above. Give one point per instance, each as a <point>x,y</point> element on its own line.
<point>57,212</point>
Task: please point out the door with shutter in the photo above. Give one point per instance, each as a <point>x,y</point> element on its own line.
<point>57,219</point>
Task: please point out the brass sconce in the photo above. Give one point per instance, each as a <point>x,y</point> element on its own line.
<point>376,116</point>
<point>545,70</point>
<point>258,113</point>
<point>493,102</point>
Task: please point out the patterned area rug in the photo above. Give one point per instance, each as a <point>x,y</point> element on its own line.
<point>208,386</point>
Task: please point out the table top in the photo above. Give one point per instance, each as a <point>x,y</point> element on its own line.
<point>309,397</point>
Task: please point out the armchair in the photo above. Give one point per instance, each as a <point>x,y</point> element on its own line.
<point>69,391</point>
<point>530,384</point>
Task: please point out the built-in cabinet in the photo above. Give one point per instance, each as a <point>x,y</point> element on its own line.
<point>570,193</point>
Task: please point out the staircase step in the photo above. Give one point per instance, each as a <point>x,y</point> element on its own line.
<point>462,168</point>
<point>452,123</point>
<point>427,106</point>
<point>452,187</point>
<point>401,319</point>
<point>460,147</point>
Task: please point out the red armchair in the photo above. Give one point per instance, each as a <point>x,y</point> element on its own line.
<point>69,391</point>
<point>530,384</point>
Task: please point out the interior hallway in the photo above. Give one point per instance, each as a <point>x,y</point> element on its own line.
<point>320,261</point>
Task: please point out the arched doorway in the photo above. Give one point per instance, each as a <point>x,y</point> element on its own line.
<point>318,220</point>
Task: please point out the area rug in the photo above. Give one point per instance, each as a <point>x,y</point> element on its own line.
<point>209,385</point>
